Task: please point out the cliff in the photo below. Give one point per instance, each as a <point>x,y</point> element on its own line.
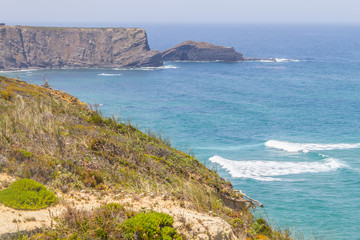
<point>201,51</point>
<point>49,47</point>
<point>24,47</point>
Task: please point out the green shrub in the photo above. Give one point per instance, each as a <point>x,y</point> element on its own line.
<point>261,227</point>
<point>96,118</point>
<point>7,95</point>
<point>24,154</point>
<point>114,207</point>
<point>237,223</point>
<point>151,225</point>
<point>27,194</point>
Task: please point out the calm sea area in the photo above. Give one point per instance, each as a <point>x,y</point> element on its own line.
<point>286,133</point>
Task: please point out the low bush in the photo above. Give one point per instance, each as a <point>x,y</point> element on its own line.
<point>6,95</point>
<point>151,225</point>
<point>261,227</point>
<point>27,194</point>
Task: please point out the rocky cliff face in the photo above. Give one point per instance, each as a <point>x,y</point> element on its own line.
<point>201,51</point>
<point>48,47</point>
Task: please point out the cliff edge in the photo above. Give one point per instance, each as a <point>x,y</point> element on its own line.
<point>201,51</point>
<point>107,175</point>
<point>55,47</point>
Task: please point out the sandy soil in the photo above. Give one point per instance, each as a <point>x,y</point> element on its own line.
<point>192,224</point>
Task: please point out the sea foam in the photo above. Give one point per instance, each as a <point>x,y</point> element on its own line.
<point>279,60</point>
<point>109,74</point>
<point>19,70</point>
<point>147,68</point>
<point>268,170</point>
<point>306,147</point>
<point>156,68</point>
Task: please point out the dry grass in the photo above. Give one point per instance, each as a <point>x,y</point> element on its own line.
<point>53,138</point>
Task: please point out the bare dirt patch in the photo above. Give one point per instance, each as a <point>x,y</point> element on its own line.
<point>193,224</point>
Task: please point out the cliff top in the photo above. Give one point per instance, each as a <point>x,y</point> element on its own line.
<point>201,51</point>
<point>67,28</point>
<point>200,45</point>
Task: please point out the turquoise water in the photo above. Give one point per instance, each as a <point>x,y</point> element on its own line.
<point>286,133</point>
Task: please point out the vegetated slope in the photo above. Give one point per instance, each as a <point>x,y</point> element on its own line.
<point>51,137</point>
<point>54,47</point>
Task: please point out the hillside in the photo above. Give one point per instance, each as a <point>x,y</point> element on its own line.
<point>90,161</point>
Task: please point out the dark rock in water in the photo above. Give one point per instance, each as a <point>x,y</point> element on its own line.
<point>201,51</point>
<point>52,47</point>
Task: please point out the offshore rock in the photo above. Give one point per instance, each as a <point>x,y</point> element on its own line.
<point>201,51</point>
<point>55,47</point>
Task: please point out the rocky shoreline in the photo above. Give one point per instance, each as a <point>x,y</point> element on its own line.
<point>24,47</point>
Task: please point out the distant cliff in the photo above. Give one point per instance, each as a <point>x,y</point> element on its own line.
<point>201,51</point>
<point>50,47</point>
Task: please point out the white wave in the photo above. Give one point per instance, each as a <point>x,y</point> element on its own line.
<point>20,70</point>
<point>109,74</point>
<point>155,68</point>
<point>286,60</point>
<point>169,67</point>
<point>147,68</point>
<point>266,60</point>
<point>306,147</point>
<point>267,170</point>
<point>279,60</point>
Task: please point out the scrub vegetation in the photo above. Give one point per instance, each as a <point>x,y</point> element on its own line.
<point>27,194</point>
<point>53,138</point>
<point>111,221</point>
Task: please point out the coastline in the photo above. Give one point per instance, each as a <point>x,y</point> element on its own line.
<point>327,69</point>
<point>204,192</point>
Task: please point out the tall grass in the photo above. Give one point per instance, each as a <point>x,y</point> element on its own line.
<point>53,138</point>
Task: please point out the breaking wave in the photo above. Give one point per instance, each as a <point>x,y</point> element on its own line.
<point>268,170</point>
<point>155,68</point>
<point>19,70</point>
<point>109,74</point>
<point>169,66</point>
<point>279,60</point>
<point>147,68</point>
<point>306,147</point>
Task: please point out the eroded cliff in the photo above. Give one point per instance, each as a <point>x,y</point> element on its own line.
<point>50,47</point>
<point>201,51</point>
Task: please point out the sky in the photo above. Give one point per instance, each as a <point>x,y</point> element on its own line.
<point>179,11</point>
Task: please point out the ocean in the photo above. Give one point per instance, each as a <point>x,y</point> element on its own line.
<point>287,133</point>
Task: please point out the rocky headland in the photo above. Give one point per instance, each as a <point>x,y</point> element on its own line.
<point>201,51</point>
<point>27,47</point>
<point>24,47</point>
<point>106,173</point>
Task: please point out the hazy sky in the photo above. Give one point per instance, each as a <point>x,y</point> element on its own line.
<point>171,11</point>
